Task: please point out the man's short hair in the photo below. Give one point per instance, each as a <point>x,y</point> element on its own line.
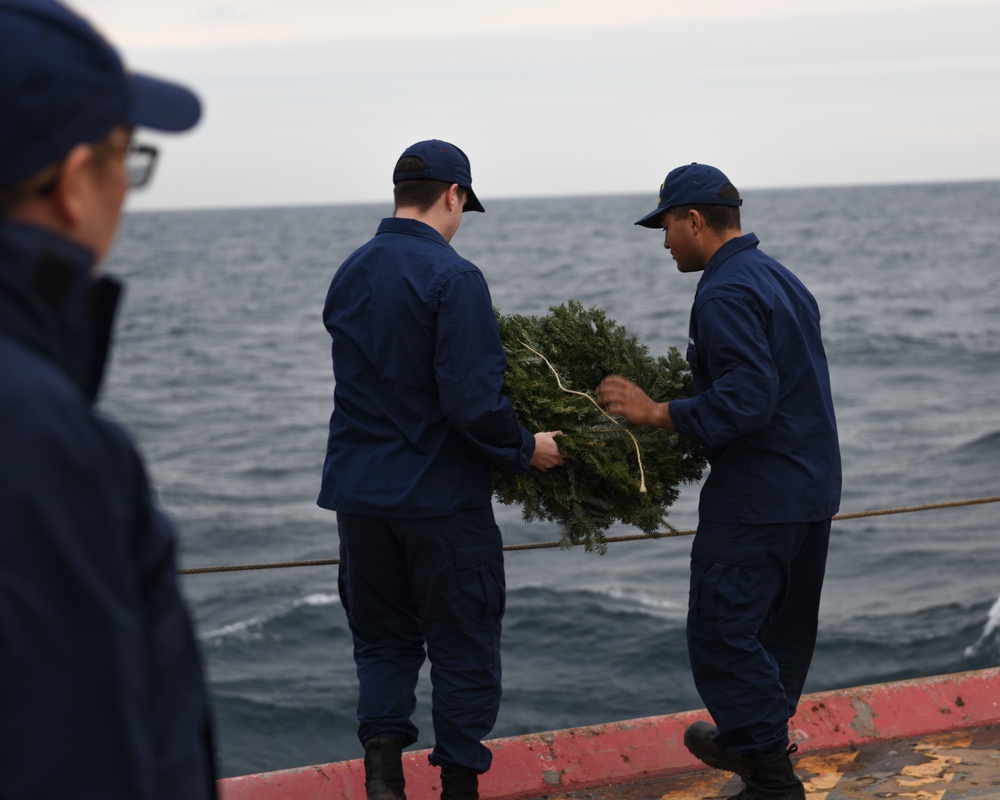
<point>420,194</point>
<point>717,218</point>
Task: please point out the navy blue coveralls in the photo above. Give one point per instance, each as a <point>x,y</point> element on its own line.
<point>763,409</point>
<point>102,693</point>
<point>418,422</point>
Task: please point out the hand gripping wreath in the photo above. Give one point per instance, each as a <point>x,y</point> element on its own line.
<point>614,471</point>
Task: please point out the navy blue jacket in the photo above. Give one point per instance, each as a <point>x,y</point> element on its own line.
<point>763,406</point>
<point>101,687</point>
<point>418,416</point>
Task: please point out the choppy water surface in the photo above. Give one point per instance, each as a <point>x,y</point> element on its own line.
<point>222,374</point>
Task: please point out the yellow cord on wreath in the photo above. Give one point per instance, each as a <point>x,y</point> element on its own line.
<point>642,473</point>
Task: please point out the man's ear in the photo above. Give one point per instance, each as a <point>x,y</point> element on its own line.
<point>696,221</point>
<point>70,196</point>
<point>452,197</point>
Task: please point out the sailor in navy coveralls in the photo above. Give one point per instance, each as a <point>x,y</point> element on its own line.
<point>418,423</point>
<point>763,409</point>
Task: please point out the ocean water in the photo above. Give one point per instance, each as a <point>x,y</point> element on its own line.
<point>221,372</point>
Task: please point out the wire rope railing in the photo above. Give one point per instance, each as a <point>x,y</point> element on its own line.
<point>326,562</point>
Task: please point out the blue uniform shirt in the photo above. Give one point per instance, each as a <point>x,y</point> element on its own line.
<point>762,404</point>
<point>418,418</point>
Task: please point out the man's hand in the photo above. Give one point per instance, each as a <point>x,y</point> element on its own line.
<point>546,453</point>
<point>620,396</point>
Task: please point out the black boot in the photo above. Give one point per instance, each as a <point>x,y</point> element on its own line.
<point>772,778</point>
<point>458,783</point>
<point>699,738</point>
<point>384,769</point>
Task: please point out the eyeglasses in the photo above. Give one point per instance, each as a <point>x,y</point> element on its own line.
<point>139,162</point>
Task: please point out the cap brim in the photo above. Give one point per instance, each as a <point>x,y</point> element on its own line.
<point>471,201</point>
<point>652,219</point>
<point>162,105</point>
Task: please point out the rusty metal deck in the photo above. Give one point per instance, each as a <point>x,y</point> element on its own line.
<point>950,766</point>
<point>935,738</point>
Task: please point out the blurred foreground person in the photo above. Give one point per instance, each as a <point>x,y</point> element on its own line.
<point>102,693</point>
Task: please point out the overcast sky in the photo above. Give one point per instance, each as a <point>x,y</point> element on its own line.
<point>312,101</point>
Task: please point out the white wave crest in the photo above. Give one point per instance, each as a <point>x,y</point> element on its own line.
<point>245,629</point>
<point>252,628</point>
<point>992,623</point>
<point>642,602</point>
<point>319,599</point>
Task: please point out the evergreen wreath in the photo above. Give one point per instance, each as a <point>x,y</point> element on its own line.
<point>614,471</point>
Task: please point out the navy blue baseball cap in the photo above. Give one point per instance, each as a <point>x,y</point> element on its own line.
<point>693,184</point>
<point>442,162</point>
<point>62,84</point>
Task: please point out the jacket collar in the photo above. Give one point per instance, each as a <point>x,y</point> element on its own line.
<point>736,245</point>
<point>51,303</point>
<point>413,227</point>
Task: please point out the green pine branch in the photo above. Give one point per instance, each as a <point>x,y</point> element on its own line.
<point>600,483</point>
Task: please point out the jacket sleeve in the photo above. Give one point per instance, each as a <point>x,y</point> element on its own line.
<point>179,715</point>
<point>470,364</point>
<point>732,350</point>
<point>99,661</point>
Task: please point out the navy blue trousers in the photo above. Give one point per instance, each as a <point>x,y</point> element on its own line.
<point>439,583</point>
<point>753,613</point>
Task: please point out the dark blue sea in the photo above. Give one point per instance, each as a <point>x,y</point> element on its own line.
<point>221,371</point>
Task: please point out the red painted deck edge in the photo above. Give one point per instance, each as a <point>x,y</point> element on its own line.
<point>622,752</point>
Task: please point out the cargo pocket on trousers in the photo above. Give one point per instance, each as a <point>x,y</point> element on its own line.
<point>483,590</point>
<point>724,580</point>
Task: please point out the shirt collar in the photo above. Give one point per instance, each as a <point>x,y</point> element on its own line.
<point>50,301</point>
<point>411,227</point>
<point>736,245</point>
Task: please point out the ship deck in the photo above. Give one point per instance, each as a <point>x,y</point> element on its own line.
<point>934,738</point>
<point>950,766</point>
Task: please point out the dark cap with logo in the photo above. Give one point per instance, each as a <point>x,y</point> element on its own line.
<point>442,162</point>
<point>62,84</point>
<point>690,185</point>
